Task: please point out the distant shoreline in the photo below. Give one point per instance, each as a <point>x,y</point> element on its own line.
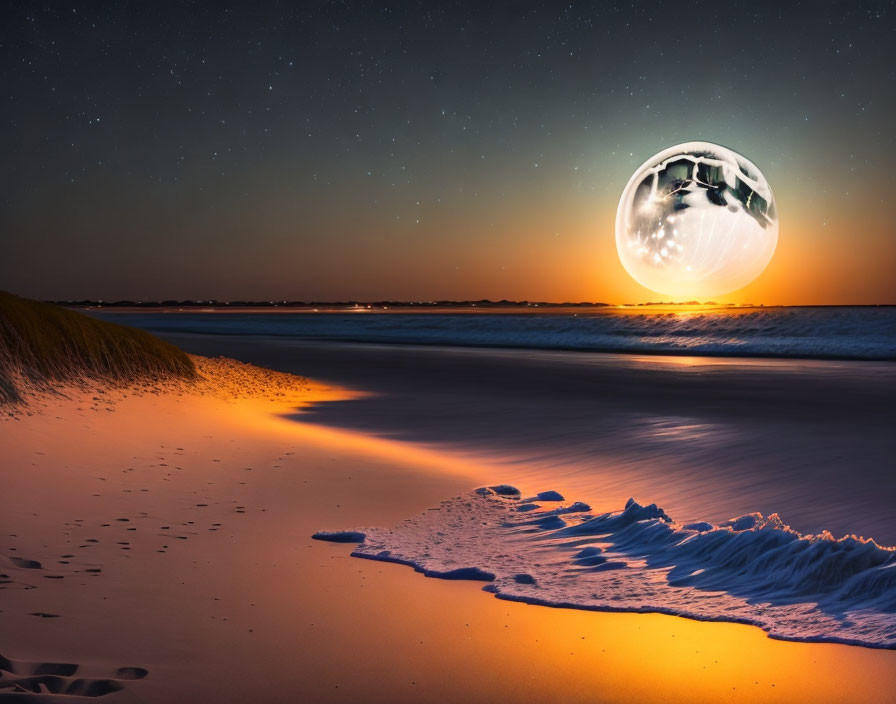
<point>508,307</point>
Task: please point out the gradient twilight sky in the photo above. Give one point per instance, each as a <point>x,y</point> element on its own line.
<point>429,151</point>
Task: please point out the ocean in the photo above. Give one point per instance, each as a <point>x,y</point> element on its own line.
<point>841,332</point>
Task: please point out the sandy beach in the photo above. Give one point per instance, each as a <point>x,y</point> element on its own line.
<point>172,530</point>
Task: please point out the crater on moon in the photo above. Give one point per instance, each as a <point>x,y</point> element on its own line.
<point>696,220</point>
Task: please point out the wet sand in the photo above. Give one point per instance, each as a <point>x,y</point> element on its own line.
<point>234,602</point>
<point>705,438</point>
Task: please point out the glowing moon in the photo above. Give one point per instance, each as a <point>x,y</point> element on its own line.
<point>696,220</point>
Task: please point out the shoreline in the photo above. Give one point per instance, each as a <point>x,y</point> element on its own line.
<point>555,552</point>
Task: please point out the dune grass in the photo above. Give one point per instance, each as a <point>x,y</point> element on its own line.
<point>43,344</point>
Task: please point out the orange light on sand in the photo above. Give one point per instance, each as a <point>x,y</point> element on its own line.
<point>314,592</point>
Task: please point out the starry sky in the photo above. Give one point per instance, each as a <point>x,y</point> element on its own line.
<point>418,151</point>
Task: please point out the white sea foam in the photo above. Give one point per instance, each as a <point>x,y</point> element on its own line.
<point>751,569</point>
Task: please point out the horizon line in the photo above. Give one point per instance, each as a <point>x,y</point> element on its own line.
<point>442,303</point>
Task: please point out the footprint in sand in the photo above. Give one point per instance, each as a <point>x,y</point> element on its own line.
<point>57,681</point>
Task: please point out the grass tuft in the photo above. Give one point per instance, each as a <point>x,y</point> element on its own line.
<point>42,344</point>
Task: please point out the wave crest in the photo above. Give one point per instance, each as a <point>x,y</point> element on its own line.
<point>751,569</point>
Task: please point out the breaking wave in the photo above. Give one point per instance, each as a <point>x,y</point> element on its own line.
<point>751,569</point>
<point>821,333</point>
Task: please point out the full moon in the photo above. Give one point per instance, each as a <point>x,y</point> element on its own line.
<point>696,220</point>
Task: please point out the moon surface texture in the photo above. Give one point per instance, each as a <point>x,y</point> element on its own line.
<point>696,220</point>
